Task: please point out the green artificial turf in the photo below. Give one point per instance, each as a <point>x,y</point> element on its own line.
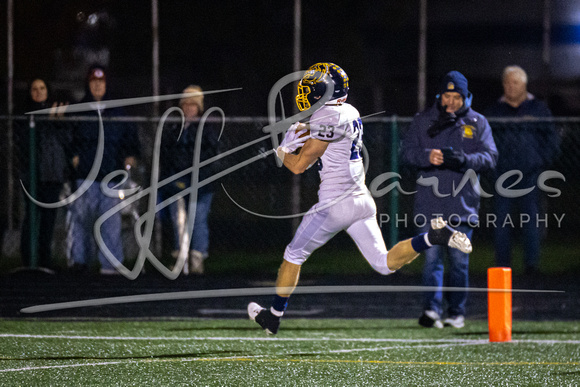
<point>314,352</point>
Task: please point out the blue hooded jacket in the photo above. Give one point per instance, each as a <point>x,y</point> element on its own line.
<point>469,132</point>
<point>121,140</point>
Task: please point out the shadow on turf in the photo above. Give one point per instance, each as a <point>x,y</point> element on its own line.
<point>256,327</point>
<point>169,356</point>
<point>288,328</point>
<point>193,329</point>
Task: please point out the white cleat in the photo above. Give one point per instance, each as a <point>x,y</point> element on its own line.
<point>461,242</point>
<point>253,310</point>
<point>264,318</point>
<point>441,234</point>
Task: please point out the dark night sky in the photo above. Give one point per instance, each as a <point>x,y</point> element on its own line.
<point>248,44</point>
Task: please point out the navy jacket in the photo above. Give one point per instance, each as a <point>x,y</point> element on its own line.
<point>121,141</point>
<point>470,133</point>
<point>537,142</point>
<point>177,154</point>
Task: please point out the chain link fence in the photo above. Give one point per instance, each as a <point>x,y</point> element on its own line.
<point>254,200</point>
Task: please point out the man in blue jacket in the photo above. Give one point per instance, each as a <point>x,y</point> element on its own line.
<point>447,143</point>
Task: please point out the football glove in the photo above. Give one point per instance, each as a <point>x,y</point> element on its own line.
<point>292,139</point>
<point>281,152</point>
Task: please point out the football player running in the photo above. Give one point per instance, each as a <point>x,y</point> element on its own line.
<point>334,140</point>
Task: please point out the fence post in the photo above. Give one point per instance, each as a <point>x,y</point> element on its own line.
<point>33,218</point>
<point>394,202</point>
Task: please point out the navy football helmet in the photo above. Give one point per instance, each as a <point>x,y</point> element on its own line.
<point>315,80</point>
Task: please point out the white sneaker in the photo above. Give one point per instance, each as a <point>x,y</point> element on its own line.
<point>195,262</point>
<point>430,319</point>
<point>455,322</point>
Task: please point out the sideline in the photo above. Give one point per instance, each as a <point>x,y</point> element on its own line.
<point>243,292</point>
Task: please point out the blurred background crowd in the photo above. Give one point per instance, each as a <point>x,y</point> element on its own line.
<point>395,54</point>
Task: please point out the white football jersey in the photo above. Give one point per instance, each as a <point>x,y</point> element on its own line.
<point>341,166</point>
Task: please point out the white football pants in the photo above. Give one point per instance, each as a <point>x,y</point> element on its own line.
<point>356,215</point>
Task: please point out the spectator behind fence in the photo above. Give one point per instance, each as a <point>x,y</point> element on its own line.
<point>444,142</point>
<point>177,153</point>
<point>121,148</point>
<point>52,141</point>
<point>528,146</point>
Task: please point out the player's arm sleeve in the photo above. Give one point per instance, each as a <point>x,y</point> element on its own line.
<point>311,151</point>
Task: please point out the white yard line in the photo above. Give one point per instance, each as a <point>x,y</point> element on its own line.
<point>200,338</point>
<point>65,366</point>
<point>266,338</point>
<point>438,343</point>
<point>129,361</point>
